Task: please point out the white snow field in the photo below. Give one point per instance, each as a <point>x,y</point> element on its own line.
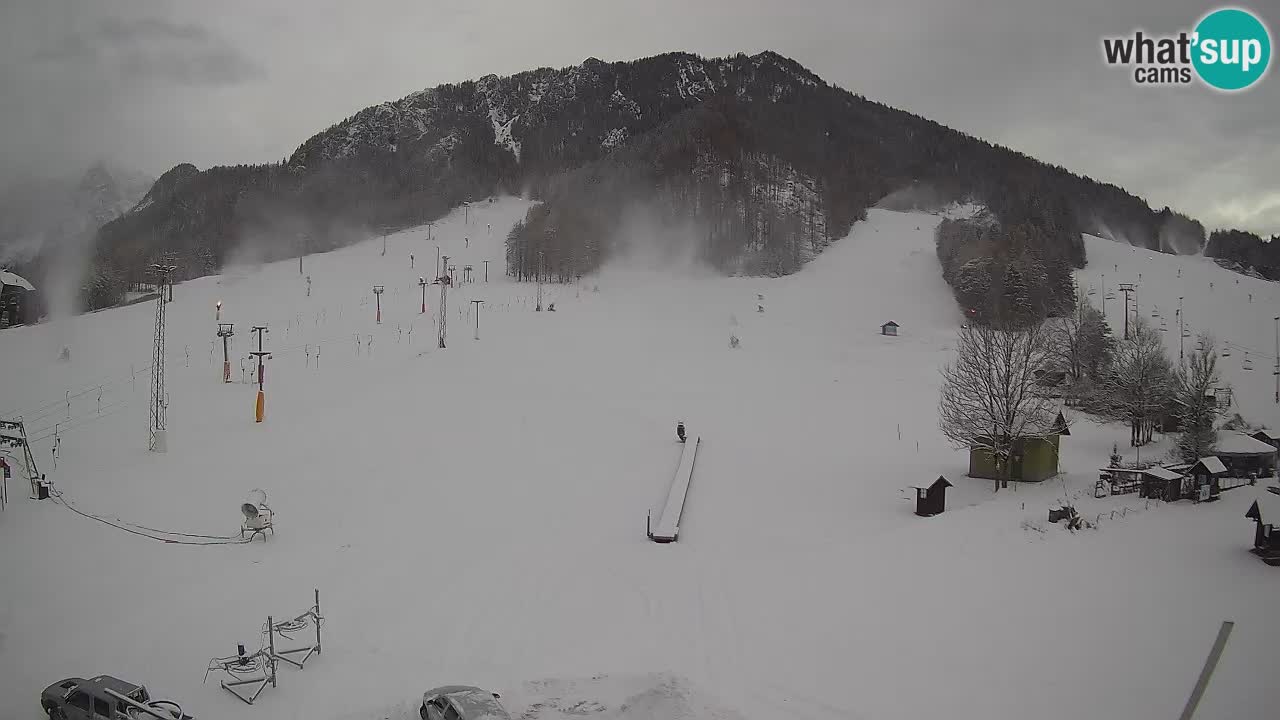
<point>476,514</point>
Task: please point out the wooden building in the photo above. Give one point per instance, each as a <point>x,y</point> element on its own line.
<point>1161,483</point>
<point>1245,456</point>
<point>1265,514</point>
<point>19,303</point>
<point>1034,459</point>
<point>1206,475</point>
<point>889,328</point>
<point>933,499</point>
<point>1267,437</point>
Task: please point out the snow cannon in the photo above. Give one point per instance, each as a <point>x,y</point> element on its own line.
<point>257,516</point>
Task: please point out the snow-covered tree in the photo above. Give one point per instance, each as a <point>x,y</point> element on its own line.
<point>990,398</point>
<point>1082,342</point>
<point>1194,399</point>
<point>1137,387</point>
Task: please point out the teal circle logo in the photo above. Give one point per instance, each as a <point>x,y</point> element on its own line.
<point>1232,49</point>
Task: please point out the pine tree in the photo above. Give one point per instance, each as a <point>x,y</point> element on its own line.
<point>1196,407</point>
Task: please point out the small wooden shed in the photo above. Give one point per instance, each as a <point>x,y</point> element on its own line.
<point>1205,476</point>
<point>933,499</point>
<point>1265,514</point>
<point>889,328</point>
<point>1161,483</point>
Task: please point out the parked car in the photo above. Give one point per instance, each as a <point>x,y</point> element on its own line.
<point>80,699</point>
<point>461,702</point>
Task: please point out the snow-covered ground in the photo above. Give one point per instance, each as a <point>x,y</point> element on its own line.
<point>476,514</point>
<point>1237,310</point>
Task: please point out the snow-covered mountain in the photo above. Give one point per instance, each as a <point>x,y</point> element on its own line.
<point>38,213</point>
<point>763,159</point>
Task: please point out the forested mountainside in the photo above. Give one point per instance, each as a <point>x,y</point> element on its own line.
<point>769,163</point>
<point>1245,252</point>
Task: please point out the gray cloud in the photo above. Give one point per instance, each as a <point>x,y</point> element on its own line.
<point>157,83</point>
<point>150,49</point>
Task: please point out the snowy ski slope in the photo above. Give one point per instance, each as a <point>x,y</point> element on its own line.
<point>475,514</point>
<point>1240,324</point>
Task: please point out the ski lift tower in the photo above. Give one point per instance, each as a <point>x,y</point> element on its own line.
<point>1127,289</point>
<point>443,282</point>
<point>157,439</point>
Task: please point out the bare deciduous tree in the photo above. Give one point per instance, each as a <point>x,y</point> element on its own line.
<point>1137,389</point>
<point>990,398</point>
<point>1082,341</point>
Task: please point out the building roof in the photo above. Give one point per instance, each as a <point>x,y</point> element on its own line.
<point>890,323</point>
<point>1269,506</point>
<point>8,278</point>
<point>1162,473</point>
<point>1212,464</point>
<point>1234,443</point>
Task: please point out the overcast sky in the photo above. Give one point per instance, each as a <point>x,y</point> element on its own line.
<point>149,84</point>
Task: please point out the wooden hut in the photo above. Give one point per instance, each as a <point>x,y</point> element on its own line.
<point>889,328</point>
<point>1206,474</point>
<point>1265,514</point>
<point>18,300</point>
<point>932,500</point>
<point>1161,483</point>
<point>1034,458</point>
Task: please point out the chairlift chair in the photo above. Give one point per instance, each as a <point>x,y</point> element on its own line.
<point>1246,365</point>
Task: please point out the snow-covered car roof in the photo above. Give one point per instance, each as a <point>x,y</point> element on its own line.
<point>473,702</point>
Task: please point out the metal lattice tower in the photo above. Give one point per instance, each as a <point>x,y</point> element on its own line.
<point>444,296</point>
<point>157,409</point>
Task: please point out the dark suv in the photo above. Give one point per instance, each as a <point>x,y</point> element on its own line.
<point>80,699</point>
